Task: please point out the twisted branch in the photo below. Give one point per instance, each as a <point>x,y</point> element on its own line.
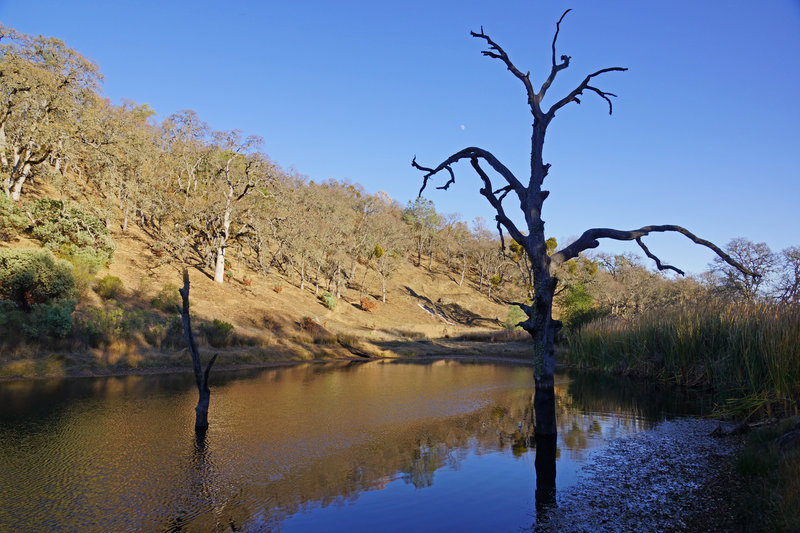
<point>590,237</point>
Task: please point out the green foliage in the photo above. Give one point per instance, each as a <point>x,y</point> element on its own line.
<point>329,300</point>
<point>378,251</point>
<point>109,288</point>
<point>44,322</point>
<point>495,281</point>
<point>747,353</point>
<point>550,245</point>
<point>162,335</point>
<point>12,219</point>
<point>421,215</point>
<point>217,333</point>
<point>515,316</point>
<point>102,325</point>
<point>577,307</point>
<point>71,231</point>
<point>34,276</point>
<point>168,299</point>
<point>770,495</point>
<point>50,320</point>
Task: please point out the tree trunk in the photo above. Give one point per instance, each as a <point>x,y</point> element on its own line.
<point>542,327</point>
<point>201,378</point>
<point>219,268</point>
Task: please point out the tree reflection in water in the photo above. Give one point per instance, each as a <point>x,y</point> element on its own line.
<point>300,445</point>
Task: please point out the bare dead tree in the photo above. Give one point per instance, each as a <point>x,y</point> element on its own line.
<point>201,377</point>
<point>540,323</point>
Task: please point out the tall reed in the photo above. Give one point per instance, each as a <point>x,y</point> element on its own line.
<point>749,354</point>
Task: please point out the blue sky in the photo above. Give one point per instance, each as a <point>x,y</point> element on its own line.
<point>704,132</point>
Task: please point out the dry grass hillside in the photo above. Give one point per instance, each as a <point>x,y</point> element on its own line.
<point>426,313</point>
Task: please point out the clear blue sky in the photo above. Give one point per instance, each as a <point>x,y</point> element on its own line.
<point>704,132</point>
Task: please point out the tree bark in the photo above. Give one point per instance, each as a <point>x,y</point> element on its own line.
<point>201,377</point>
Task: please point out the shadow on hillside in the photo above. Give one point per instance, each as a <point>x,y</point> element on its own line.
<point>451,312</point>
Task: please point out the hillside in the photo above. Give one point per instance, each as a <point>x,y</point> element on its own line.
<point>426,313</point>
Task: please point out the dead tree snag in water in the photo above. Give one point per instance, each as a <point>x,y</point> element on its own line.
<point>540,323</point>
<point>201,378</point>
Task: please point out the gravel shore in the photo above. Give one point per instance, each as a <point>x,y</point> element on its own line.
<point>672,478</point>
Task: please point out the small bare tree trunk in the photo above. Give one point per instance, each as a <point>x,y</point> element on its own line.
<point>201,378</point>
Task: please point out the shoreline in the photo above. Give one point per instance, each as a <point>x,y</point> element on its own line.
<point>509,352</point>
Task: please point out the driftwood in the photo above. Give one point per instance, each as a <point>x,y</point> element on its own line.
<point>201,377</point>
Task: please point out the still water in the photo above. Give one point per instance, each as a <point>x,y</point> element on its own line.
<point>376,446</point>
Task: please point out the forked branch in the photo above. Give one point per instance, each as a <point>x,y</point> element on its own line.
<point>469,153</point>
<point>590,237</point>
<point>488,191</point>
<point>496,51</point>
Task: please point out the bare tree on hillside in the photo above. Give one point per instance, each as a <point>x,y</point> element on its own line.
<point>540,323</point>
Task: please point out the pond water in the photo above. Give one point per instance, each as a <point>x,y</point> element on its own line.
<point>389,446</point>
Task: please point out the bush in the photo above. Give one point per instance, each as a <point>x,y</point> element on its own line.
<point>168,299</point>
<point>217,333</point>
<point>515,316</point>
<point>368,304</point>
<point>34,276</point>
<point>102,325</point>
<point>71,230</point>
<point>329,300</point>
<point>169,334</point>
<point>12,219</point>
<point>109,288</point>
<point>50,320</point>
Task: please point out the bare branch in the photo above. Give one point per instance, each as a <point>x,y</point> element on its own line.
<point>555,37</point>
<point>584,85</point>
<point>470,153</point>
<point>659,264</point>
<point>590,237</point>
<point>501,216</point>
<point>500,54</point>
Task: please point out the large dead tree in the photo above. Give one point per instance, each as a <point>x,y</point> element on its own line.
<point>540,323</point>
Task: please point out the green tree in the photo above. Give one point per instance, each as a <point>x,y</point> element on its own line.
<point>34,276</point>
<point>422,218</point>
<point>44,84</point>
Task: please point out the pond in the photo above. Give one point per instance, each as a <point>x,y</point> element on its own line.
<point>383,445</point>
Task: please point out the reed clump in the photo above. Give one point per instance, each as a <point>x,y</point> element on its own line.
<point>748,353</point>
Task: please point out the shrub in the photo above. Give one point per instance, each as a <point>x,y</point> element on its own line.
<point>109,288</point>
<point>368,304</point>
<point>71,230</point>
<point>309,324</point>
<point>168,299</point>
<point>34,276</point>
<point>329,300</point>
<point>102,325</point>
<point>50,320</point>
<point>12,219</point>
<point>217,333</point>
<point>515,316</point>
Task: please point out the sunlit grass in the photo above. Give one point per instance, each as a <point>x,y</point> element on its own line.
<point>749,354</point>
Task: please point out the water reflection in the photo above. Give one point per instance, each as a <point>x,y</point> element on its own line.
<point>395,446</point>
